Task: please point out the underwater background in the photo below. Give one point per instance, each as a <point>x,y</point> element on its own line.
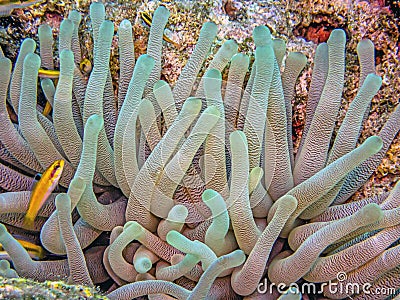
<point>259,196</point>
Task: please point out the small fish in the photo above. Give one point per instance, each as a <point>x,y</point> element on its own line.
<point>42,191</point>
<point>148,20</point>
<point>36,179</point>
<point>7,6</point>
<point>85,66</point>
<point>45,74</point>
<point>52,74</point>
<point>35,251</point>
<point>47,109</point>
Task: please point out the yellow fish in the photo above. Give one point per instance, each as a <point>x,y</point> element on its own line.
<point>47,109</point>
<point>7,6</point>
<point>85,66</point>
<point>42,191</point>
<point>148,20</point>
<point>52,74</point>
<point>35,251</point>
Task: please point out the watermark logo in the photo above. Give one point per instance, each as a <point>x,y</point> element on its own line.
<point>342,286</point>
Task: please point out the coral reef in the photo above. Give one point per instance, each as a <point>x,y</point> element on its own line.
<point>21,288</point>
<point>196,190</point>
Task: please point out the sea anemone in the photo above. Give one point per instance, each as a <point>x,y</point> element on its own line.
<point>198,185</point>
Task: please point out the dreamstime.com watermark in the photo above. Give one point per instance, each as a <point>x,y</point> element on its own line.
<point>340,286</point>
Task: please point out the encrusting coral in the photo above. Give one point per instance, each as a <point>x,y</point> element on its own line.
<point>199,189</point>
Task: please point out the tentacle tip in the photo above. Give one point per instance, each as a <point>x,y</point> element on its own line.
<point>125,24</point>
<point>374,143</point>
<point>162,11</point>
<point>32,60</point>
<point>212,110</point>
<point>374,79</point>
<point>290,201</point>
<point>28,42</point>
<point>257,172</point>
<point>159,84</point>
<point>74,15</point>
<point>107,28</point>
<point>173,237</point>
<point>67,25</point>
<point>213,74</point>
<point>238,257</point>
<point>337,36</point>
<point>210,27</point>
<point>133,226</point>
<point>95,121</point>
<point>44,29</point>
<point>5,64</point>
<point>97,5</point>
<point>77,183</point>
<point>241,58</point>
<point>372,212</point>
<point>209,195</point>
<point>237,136</point>
<point>365,44</point>
<point>145,61</point>
<point>66,56</point>
<point>143,265</point>
<point>192,104</point>
<point>231,45</point>
<point>179,211</point>
<point>261,35</point>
